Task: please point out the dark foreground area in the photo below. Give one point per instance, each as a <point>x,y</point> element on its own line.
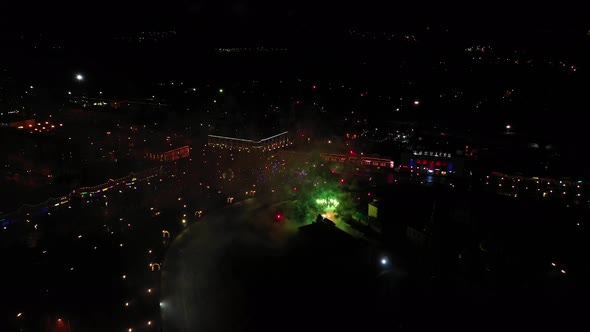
<point>239,270</point>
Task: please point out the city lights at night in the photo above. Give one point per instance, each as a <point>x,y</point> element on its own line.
<point>241,166</point>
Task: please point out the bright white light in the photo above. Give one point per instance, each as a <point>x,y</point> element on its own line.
<point>508,126</point>
<point>79,77</point>
<point>19,314</point>
<point>416,102</point>
<point>384,261</point>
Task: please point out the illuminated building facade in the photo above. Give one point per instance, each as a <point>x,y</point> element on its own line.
<point>367,161</point>
<point>432,163</point>
<point>171,155</point>
<point>267,144</point>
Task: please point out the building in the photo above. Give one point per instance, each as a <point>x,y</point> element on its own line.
<point>325,234</point>
<point>365,161</point>
<point>418,237</point>
<point>171,155</point>
<point>432,163</point>
<point>248,145</point>
<point>374,209</point>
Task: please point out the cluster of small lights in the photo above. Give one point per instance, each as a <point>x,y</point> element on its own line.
<point>543,187</point>
<point>97,192</point>
<point>37,127</point>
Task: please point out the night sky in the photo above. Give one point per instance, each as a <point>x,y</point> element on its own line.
<point>495,17</point>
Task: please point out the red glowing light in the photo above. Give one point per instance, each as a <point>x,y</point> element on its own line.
<point>368,194</point>
<point>298,102</point>
<point>362,94</point>
<point>314,87</point>
<point>279,216</point>
<point>341,180</point>
<point>295,188</point>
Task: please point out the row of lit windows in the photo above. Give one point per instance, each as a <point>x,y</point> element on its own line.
<point>432,154</point>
